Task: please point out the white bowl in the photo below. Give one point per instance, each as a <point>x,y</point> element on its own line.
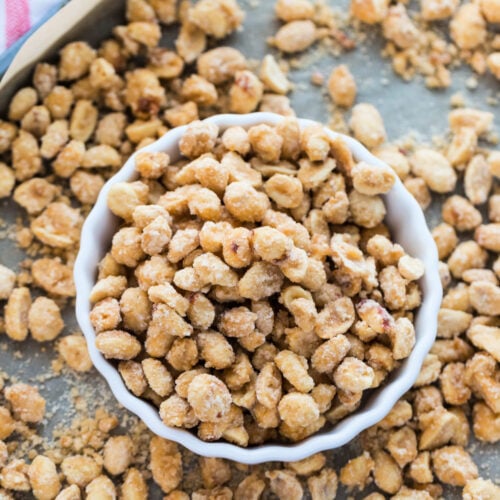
<point>407,224</point>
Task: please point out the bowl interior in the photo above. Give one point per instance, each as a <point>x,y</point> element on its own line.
<point>408,227</point>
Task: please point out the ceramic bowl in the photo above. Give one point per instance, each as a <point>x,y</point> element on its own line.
<point>408,227</point>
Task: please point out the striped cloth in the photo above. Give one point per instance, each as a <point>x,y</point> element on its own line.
<point>18,19</point>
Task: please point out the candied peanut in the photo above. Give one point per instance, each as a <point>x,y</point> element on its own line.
<point>485,337</point>
<point>335,318</point>
<point>419,190</point>
<point>462,147</point>
<point>26,402</point>
<point>58,226</point>
<point>8,132</point>
<point>86,187</point>
<point>183,354</point>
<point>324,485</point>
<point>199,90</point>
<point>250,488</point>
<point>7,282</point>
<point>486,424</point>
<point>455,392</point>
<point>399,28</point>
<point>100,487</point>
<point>367,125</point>
<point>22,101</point>
<point>126,246</point>
<point>476,489</point>
<point>467,255</point>
<point>245,203</point>
<point>7,180</point>
<point>286,191</point>
<point>386,472</point>
<point>453,465</point>
<point>191,42</point>
<point>237,322</point>
<point>485,297</point>
<point>402,445</point>
<point>110,129</point>
<point>143,93</point>
<point>75,60</point>
<point>329,354</point>
<point>133,376</point>
<point>435,169</point>
<point>266,142</point>
<point>366,211</point>
<point>459,213</point>
<point>111,286</point>
<point>272,76</point>
<point>294,369</point>
<point>293,10</point>
<point>315,142</point>
<point>16,314</point>
<point>69,159</point>
<point>468,27</point>
<point>342,86</point>
<point>59,101</point>
<point>245,93</point>
<point>43,477</point>
<point>101,156</point>
<point>434,10</point>
<point>26,159</point>
<point>295,36</point>
<point>480,121</point>
<point>372,180</point>
<point>298,410</point>
<point>36,121</point>
<point>220,64</point>
<point>215,350</point>
<point>157,376</point>
<point>386,252</point>
<point>236,139</point>
<point>209,397</point>
<point>176,412</point>
<point>357,471</point>
<point>429,372</point>
<point>375,316</point>
<point>477,180</point>
<point>118,344</point>
<point>205,204</point>
<point>411,268</point>
<point>165,464</point>
<point>14,477</point>
<point>80,470</point>
<point>452,323</point>
<point>73,350</point>
<point>445,238</point>
<point>118,454</point>
<point>83,120</point>
<point>488,236</point>
<point>353,375</point>
<point>398,416</point>
<point>54,139</point>
<point>198,139</point>
<point>268,386</point>
<point>217,18</point>
<point>44,319</point>
<point>393,286</point>
<point>284,484</point>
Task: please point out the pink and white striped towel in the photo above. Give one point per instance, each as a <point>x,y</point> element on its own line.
<point>18,16</point>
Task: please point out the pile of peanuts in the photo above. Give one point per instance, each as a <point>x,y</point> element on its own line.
<point>256,288</point>
<point>69,129</point>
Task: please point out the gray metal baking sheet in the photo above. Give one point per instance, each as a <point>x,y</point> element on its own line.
<point>407,108</point>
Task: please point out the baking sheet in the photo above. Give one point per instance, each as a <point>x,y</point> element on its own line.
<point>407,108</point>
